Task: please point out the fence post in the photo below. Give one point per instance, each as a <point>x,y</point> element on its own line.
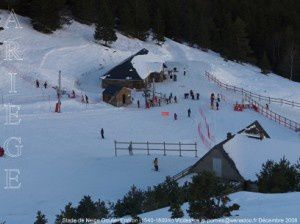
<point>269,100</point>
<point>148,153</point>
<point>165,149</point>
<point>115,148</point>
<point>196,153</point>
<point>180,149</point>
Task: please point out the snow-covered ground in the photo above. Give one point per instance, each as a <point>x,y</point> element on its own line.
<point>254,208</point>
<point>63,157</point>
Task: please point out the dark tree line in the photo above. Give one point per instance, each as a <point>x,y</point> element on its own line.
<point>262,32</point>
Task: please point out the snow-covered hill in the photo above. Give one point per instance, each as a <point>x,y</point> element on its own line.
<point>63,157</point>
<point>254,208</point>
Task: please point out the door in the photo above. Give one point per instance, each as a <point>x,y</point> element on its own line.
<point>124,99</point>
<point>217,167</point>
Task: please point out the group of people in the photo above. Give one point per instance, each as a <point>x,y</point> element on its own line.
<point>192,95</point>
<point>37,84</point>
<point>157,101</point>
<point>189,112</point>
<point>170,99</point>
<point>215,101</point>
<point>84,99</point>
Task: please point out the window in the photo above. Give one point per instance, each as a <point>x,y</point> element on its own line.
<point>217,166</point>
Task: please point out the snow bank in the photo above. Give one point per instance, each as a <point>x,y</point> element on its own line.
<point>254,207</point>
<point>249,154</point>
<point>147,64</point>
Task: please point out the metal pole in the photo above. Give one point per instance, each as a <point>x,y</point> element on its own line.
<point>148,153</point>
<point>180,149</point>
<point>59,87</point>
<point>115,148</point>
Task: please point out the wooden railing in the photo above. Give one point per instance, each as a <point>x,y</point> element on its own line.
<point>293,125</point>
<point>250,97</point>
<point>250,94</point>
<point>163,147</point>
<point>183,173</point>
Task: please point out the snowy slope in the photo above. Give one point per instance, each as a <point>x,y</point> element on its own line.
<point>255,208</point>
<point>63,157</point>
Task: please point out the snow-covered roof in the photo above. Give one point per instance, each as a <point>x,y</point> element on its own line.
<point>147,64</point>
<point>249,154</point>
<point>137,67</point>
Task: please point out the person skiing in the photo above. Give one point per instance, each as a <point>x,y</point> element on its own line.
<point>86,99</point>
<point>175,99</point>
<point>217,105</point>
<point>212,99</point>
<point>37,83</point>
<point>267,106</point>
<point>130,149</point>
<point>198,96</point>
<point>102,133</point>
<point>189,112</point>
<point>184,72</point>
<point>218,98</point>
<point>175,116</point>
<point>170,99</point>
<point>82,99</point>
<point>155,164</point>
<point>159,102</point>
<point>45,85</point>
<point>138,104</point>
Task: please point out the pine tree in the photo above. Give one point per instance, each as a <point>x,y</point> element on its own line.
<point>278,177</point>
<point>45,15</point>
<point>237,42</point>
<point>127,17</point>
<point>159,28</point>
<point>175,209</point>
<point>265,64</point>
<point>40,218</point>
<point>87,208</point>
<point>84,11</point>
<point>68,213</point>
<point>206,197</point>
<point>142,20</point>
<point>105,24</point>
<point>131,204</point>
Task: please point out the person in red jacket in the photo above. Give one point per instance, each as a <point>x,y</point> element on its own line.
<point>1,152</point>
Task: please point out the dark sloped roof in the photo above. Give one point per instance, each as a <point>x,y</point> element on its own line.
<point>112,90</point>
<point>125,70</point>
<point>219,147</point>
<point>254,129</point>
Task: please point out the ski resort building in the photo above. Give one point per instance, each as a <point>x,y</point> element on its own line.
<point>240,157</point>
<point>136,72</point>
<point>117,96</point>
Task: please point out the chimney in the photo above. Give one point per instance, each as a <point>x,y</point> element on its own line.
<point>229,135</point>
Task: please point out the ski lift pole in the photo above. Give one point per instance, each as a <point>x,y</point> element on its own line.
<point>59,88</point>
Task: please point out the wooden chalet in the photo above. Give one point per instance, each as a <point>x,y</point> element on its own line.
<point>217,160</point>
<point>117,96</point>
<point>126,75</point>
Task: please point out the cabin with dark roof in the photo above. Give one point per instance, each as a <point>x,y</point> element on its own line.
<point>126,75</point>
<point>218,161</point>
<point>254,130</point>
<point>117,96</point>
